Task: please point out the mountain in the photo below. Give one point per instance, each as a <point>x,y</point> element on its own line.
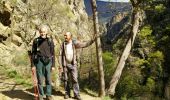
<point>107,9</point>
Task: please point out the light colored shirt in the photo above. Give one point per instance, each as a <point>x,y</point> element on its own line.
<point>69,52</point>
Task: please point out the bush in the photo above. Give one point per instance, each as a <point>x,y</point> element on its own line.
<point>160,8</point>
<point>12,73</point>
<point>18,78</point>
<point>21,59</point>
<point>109,65</point>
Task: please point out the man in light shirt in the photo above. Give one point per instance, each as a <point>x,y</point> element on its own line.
<point>68,63</point>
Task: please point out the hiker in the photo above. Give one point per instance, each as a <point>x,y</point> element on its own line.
<point>68,63</point>
<point>43,61</point>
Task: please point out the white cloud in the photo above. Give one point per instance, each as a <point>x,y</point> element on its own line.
<point>115,0</point>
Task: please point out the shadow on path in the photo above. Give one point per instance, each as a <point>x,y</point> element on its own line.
<point>27,94</point>
<point>57,93</point>
<point>88,93</point>
<point>18,94</point>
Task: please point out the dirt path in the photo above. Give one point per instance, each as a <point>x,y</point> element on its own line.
<point>9,90</point>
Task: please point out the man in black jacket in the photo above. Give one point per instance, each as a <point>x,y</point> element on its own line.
<point>43,61</point>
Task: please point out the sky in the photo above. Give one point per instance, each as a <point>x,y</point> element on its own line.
<point>115,0</point>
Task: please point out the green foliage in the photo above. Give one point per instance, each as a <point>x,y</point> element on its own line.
<point>141,62</point>
<point>12,73</point>
<point>150,84</point>
<point>168,27</point>
<point>21,59</point>
<point>18,78</point>
<point>128,86</point>
<point>146,36</point>
<point>106,98</point>
<point>109,65</point>
<point>156,55</point>
<point>146,31</point>
<point>160,8</point>
<point>142,75</point>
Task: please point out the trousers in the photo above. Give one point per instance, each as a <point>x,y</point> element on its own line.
<point>71,70</point>
<point>44,71</point>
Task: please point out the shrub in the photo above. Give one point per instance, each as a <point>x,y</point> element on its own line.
<point>109,65</point>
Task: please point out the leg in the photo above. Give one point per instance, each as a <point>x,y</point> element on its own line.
<point>48,79</point>
<point>74,75</point>
<point>40,76</point>
<point>66,81</point>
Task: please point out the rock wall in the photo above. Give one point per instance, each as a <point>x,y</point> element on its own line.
<point>19,20</point>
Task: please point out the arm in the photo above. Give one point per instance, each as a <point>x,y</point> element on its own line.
<point>34,49</point>
<point>53,54</point>
<point>79,44</point>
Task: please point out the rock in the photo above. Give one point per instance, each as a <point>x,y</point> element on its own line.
<point>26,16</point>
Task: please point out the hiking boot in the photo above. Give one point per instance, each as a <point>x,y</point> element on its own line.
<point>77,97</point>
<point>49,98</point>
<point>66,96</point>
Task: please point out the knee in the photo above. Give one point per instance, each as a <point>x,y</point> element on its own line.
<point>75,80</point>
<point>48,81</point>
<point>40,81</point>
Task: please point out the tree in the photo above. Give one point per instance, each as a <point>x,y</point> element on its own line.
<point>135,22</point>
<point>98,49</point>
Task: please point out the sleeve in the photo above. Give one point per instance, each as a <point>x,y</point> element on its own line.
<point>53,53</point>
<point>79,44</point>
<point>34,48</point>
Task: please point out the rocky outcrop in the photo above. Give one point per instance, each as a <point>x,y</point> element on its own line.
<point>117,24</point>
<point>19,20</point>
<point>115,28</point>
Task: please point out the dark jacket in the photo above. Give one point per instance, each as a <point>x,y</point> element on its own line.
<point>43,48</point>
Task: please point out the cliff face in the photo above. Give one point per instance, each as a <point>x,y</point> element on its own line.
<point>116,24</point>
<point>19,20</point>
<point>115,28</point>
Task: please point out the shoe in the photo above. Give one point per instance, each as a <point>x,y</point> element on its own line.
<point>66,96</point>
<point>49,98</point>
<point>77,97</point>
<point>40,97</point>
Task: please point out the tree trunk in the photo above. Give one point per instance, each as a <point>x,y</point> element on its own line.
<point>98,49</point>
<point>167,90</point>
<point>115,78</point>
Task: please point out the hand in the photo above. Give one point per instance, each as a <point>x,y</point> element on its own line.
<point>52,68</point>
<point>33,69</point>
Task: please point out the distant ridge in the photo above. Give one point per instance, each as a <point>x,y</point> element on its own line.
<point>107,9</point>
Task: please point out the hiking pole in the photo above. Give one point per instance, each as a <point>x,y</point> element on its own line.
<point>34,78</point>
<point>36,91</point>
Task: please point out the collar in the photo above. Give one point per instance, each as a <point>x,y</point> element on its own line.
<point>68,42</point>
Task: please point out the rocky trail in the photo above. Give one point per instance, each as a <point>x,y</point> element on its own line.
<point>9,90</point>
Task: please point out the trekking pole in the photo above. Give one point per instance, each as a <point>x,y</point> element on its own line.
<point>36,91</point>
<point>34,79</point>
